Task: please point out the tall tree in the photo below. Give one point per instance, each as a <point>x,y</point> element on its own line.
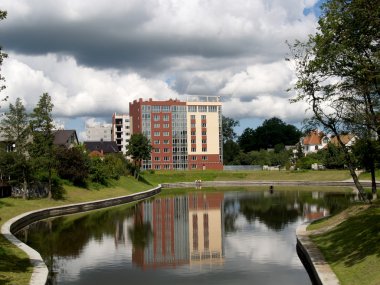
<point>338,71</point>
<point>15,128</point>
<point>3,15</point>
<point>139,148</point>
<point>228,125</point>
<point>271,133</point>
<point>42,148</point>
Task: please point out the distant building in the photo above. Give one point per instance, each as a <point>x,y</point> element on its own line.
<point>184,134</point>
<point>100,148</point>
<point>314,141</point>
<point>121,131</point>
<point>98,132</point>
<point>65,138</point>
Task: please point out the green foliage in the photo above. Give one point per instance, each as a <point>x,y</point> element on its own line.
<point>116,165</point>
<point>42,148</point>
<point>306,161</point>
<point>73,165</point>
<point>228,125</point>
<point>272,132</point>
<point>139,148</point>
<point>98,171</point>
<point>3,15</point>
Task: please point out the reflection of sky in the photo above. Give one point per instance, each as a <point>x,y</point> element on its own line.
<point>96,254</point>
<point>251,254</point>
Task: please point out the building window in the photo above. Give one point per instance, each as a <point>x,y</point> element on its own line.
<point>166,158</point>
<point>156,158</point>
<point>157,125</point>
<point>166,150</point>
<point>193,149</point>
<point>204,125</point>
<point>204,133</point>
<point>194,158</point>
<point>204,140</point>
<point>157,150</point>
<point>165,108</point>
<point>193,166</point>
<point>202,108</point>
<point>212,109</point>
<point>167,166</point>
<point>193,125</point>
<point>204,149</point>
<point>166,141</point>
<point>156,117</point>
<point>203,117</point>
<point>193,140</point>
<point>316,147</point>
<point>166,126</point>
<point>156,167</point>
<point>166,134</point>
<point>192,117</point>
<point>156,108</point>
<point>204,157</point>
<point>156,141</point>
<point>166,118</point>
<point>156,134</point>
<point>192,108</point>
<point>193,133</point>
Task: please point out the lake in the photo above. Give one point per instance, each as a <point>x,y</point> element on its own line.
<point>234,236</point>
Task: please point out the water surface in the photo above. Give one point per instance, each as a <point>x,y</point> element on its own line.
<point>229,237</point>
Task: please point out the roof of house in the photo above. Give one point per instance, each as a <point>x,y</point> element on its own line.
<point>313,138</point>
<point>345,139</point>
<point>61,137</point>
<point>104,146</point>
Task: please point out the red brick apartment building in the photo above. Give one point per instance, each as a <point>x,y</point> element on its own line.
<point>184,134</point>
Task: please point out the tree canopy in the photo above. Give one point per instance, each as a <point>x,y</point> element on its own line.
<point>272,132</point>
<point>338,71</point>
<point>3,15</point>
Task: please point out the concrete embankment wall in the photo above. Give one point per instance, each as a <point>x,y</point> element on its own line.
<point>40,271</point>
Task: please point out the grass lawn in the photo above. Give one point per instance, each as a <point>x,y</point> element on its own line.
<point>352,248</point>
<point>14,264</point>
<point>212,175</point>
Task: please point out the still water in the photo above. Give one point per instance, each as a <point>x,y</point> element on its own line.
<point>229,237</point>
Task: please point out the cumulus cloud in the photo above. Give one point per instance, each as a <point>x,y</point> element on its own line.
<point>94,59</point>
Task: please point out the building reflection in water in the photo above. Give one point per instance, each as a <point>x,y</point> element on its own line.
<point>185,230</point>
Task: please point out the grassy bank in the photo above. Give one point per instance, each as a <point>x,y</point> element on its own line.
<point>14,264</point>
<point>352,247</point>
<point>212,175</point>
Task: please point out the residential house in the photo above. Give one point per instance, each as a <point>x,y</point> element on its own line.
<point>65,138</point>
<point>101,148</point>
<point>314,141</point>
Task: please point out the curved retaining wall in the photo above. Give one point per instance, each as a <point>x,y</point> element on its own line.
<point>313,259</point>
<point>40,271</point>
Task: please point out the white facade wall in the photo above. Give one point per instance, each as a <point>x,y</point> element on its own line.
<point>121,131</point>
<point>99,132</point>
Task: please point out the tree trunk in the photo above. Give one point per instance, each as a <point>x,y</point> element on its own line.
<point>373,179</point>
<point>49,185</point>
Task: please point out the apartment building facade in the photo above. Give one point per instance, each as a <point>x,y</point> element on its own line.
<point>99,132</point>
<point>184,134</point>
<point>121,131</point>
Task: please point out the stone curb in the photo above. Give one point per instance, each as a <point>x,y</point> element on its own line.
<point>321,270</point>
<point>40,270</point>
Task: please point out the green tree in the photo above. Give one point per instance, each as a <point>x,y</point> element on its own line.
<point>338,71</point>
<point>271,133</point>
<point>42,147</point>
<point>231,149</point>
<point>139,148</point>
<point>15,128</point>
<point>228,125</point>
<point>73,164</point>
<point>3,15</point>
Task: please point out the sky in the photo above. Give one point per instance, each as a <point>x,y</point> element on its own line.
<point>94,57</point>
